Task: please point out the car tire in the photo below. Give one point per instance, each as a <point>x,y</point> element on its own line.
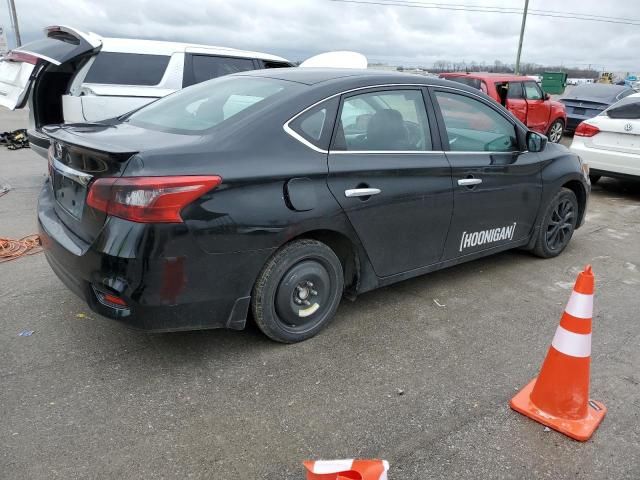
<point>594,178</point>
<point>558,224</point>
<point>298,291</point>
<point>555,131</point>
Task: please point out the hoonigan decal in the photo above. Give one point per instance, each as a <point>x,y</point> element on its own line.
<point>482,237</point>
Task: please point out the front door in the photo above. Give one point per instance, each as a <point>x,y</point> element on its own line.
<point>388,172</point>
<point>539,109</point>
<point>497,187</point>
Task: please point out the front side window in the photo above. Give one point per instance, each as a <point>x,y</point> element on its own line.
<point>127,69</point>
<point>394,120</point>
<point>473,126</point>
<point>532,91</point>
<point>206,67</point>
<point>211,103</point>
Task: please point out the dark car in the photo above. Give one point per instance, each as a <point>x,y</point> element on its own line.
<point>591,99</point>
<point>278,192</point>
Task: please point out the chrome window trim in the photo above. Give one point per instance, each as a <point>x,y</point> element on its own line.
<point>379,152</point>
<point>287,128</point>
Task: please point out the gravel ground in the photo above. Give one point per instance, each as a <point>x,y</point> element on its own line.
<point>84,397</point>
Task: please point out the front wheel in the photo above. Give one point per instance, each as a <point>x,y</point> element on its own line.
<point>555,131</point>
<point>558,224</point>
<point>298,291</point>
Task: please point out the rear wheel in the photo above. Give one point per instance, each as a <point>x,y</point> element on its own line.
<point>594,178</point>
<point>558,224</point>
<point>555,131</point>
<point>298,291</point>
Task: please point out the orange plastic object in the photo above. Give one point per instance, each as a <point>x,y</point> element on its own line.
<point>346,469</point>
<point>559,396</point>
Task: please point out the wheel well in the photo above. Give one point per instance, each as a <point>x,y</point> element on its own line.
<point>576,187</point>
<point>345,251</point>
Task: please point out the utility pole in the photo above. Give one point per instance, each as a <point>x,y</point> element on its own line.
<point>14,21</point>
<point>524,20</point>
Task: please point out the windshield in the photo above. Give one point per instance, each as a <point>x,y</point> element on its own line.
<point>208,104</point>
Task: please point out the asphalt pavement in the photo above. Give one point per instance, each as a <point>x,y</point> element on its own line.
<point>419,373</point>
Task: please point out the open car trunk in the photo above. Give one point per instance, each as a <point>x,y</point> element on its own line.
<point>43,70</point>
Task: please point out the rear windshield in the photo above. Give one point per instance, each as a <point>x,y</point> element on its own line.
<point>208,104</point>
<point>127,69</point>
<point>627,108</point>
<point>597,91</point>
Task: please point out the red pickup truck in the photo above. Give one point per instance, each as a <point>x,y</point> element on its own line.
<point>523,97</point>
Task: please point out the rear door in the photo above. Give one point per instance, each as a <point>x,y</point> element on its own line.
<point>538,109</point>
<point>21,67</point>
<point>388,172</point>
<point>516,102</point>
<point>497,187</point>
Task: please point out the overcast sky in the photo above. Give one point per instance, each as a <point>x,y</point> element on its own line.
<point>296,29</point>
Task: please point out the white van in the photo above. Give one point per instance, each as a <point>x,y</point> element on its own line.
<point>75,77</point>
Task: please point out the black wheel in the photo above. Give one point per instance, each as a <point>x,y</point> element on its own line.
<point>298,291</point>
<point>555,131</point>
<point>558,224</point>
<point>594,178</point>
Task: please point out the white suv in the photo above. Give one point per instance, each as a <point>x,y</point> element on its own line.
<point>75,77</point>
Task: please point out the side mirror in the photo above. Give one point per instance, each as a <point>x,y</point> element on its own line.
<point>536,142</point>
<point>547,96</point>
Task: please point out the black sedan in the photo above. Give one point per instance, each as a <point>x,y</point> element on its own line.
<point>586,101</point>
<point>277,193</point>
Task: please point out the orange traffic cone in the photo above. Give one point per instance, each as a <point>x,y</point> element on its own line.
<point>559,396</point>
<point>346,469</point>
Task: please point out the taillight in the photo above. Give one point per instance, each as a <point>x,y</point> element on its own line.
<point>148,199</point>
<point>586,130</point>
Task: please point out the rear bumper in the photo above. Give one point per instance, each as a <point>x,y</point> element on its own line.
<point>607,162</point>
<point>164,289</point>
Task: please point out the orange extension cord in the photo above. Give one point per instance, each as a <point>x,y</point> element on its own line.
<point>12,249</point>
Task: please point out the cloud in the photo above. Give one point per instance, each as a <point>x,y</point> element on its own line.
<point>397,35</point>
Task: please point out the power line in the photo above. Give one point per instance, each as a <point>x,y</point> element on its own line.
<point>461,8</point>
<point>517,10</point>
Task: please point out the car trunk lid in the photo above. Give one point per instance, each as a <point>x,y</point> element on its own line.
<point>21,67</point>
<point>618,135</point>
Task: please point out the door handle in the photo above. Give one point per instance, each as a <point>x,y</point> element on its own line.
<point>361,192</point>
<point>469,182</point>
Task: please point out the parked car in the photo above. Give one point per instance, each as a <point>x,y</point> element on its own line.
<point>523,97</point>
<point>610,141</point>
<point>72,76</point>
<point>588,100</point>
<point>279,191</point>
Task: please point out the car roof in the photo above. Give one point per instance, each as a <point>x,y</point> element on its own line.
<point>314,75</point>
<point>498,77</point>
<point>156,47</point>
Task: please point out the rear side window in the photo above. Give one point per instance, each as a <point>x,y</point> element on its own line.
<point>514,90</point>
<point>627,108</point>
<point>471,82</point>
<point>206,67</point>
<point>127,69</point>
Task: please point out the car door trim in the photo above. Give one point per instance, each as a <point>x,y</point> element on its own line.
<point>287,128</point>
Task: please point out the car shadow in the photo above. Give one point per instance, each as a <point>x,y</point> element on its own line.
<point>626,188</point>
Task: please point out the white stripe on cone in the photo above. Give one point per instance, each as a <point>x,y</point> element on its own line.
<point>580,305</point>
<point>572,344</point>
<point>331,466</point>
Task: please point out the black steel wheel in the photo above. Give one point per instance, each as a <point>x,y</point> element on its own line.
<point>298,291</point>
<point>557,225</point>
<point>555,131</point>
